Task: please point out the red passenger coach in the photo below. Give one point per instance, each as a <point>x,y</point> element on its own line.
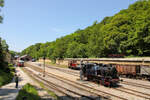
<point>20,63</point>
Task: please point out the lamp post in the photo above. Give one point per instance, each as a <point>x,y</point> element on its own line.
<point>44,66</point>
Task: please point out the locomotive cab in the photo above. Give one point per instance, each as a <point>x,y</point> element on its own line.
<point>110,75</point>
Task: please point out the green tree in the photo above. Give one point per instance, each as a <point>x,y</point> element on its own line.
<point>2,56</point>
<point>127,32</point>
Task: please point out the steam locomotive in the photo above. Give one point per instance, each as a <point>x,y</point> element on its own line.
<point>101,73</point>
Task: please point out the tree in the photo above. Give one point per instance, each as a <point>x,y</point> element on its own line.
<point>127,32</point>
<point>1,45</point>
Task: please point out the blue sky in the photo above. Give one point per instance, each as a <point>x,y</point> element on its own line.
<point>27,22</point>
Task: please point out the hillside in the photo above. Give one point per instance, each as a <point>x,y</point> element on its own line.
<point>127,32</point>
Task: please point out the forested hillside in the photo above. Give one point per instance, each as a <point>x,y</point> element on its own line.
<point>127,32</point>
<point>6,69</point>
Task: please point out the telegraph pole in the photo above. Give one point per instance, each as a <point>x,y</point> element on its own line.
<point>44,66</point>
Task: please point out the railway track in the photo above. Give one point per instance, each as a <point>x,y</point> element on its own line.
<point>61,89</point>
<point>63,70</point>
<point>122,89</point>
<point>70,83</point>
<point>124,82</point>
<point>133,92</point>
<point>47,85</point>
<point>62,78</point>
<point>126,90</point>
<point>136,84</point>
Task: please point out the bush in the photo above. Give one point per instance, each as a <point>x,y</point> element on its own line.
<point>29,92</point>
<point>5,77</point>
<point>11,68</point>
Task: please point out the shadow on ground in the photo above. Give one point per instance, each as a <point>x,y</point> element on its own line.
<point>5,93</point>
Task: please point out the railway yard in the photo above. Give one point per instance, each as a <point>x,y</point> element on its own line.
<point>66,84</point>
<point>75,50</point>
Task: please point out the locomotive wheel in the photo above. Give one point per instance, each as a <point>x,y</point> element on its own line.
<point>103,83</point>
<point>100,82</point>
<point>88,78</point>
<point>110,85</point>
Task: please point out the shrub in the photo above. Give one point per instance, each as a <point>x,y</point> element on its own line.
<point>29,92</point>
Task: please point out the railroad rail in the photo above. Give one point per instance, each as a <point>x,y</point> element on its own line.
<point>122,89</point>
<point>58,87</point>
<point>133,92</point>
<point>54,76</point>
<point>136,84</point>
<point>137,92</point>
<point>123,82</point>
<point>63,70</point>
<point>96,91</point>
<point>49,86</point>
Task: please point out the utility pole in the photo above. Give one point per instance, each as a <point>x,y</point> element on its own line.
<point>44,66</point>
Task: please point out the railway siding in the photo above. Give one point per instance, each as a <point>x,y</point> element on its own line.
<point>66,89</point>
<point>97,87</point>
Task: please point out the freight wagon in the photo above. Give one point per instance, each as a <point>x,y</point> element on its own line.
<point>134,71</point>
<point>145,72</point>
<point>128,70</point>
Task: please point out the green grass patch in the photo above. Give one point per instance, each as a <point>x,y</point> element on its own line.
<point>6,77</point>
<point>29,92</point>
<point>52,64</point>
<point>132,56</point>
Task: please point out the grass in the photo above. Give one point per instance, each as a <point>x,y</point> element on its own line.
<point>51,93</point>
<point>62,66</point>
<point>6,77</point>
<point>136,56</point>
<point>29,92</point>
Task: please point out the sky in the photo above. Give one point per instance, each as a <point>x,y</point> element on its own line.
<point>27,22</point>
